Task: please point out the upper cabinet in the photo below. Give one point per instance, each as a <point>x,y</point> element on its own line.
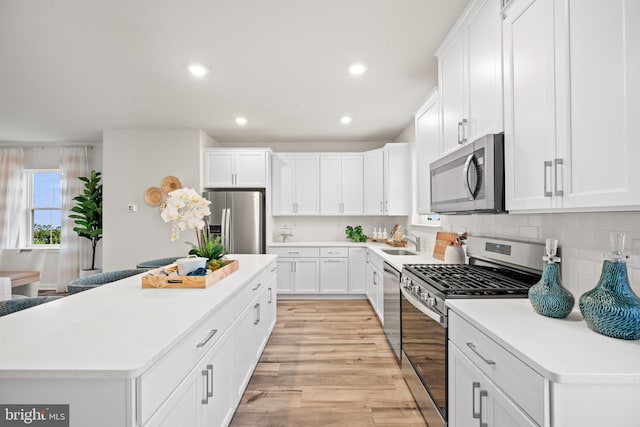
<point>387,184</point>
<point>427,136</point>
<point>225,168</point>
<point>295,182</point>
<point>470,76</point>
<point>569,142</point>
<point>341,184</point>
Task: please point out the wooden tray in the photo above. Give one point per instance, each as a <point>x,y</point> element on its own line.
<point>189,281</point>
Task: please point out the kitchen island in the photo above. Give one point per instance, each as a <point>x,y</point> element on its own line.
<point>538,370</point>
<point>121,355</point>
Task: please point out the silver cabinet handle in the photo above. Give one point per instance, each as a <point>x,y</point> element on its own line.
<point>293,252</point>
<point>465,123</point>
<point>483,393</point>
<point>334,260</point>
<point>374,278</point>
<point>257,307</point>
<point>459,126</point>
<point>210,369</point>
<point>270,295</point>
<point>208,337</point>
<point>474,386</point>
<point>257,287</point>
<point>547,167</point>
<point>205,374</point>
<point>472,346</point>
<point>558,177</point>
<point>273,269</point>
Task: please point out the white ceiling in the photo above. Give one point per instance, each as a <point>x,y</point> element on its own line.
<point>70,68</point>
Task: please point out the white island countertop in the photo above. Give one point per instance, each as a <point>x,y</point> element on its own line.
<point>116,330</point>
<point>563,350</point>
<point>423,257</point>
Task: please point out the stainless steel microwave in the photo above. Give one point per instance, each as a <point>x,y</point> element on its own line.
<point>470,179</point>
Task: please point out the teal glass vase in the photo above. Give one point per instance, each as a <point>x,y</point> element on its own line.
<point>548,297</point>
<point>612,308</point>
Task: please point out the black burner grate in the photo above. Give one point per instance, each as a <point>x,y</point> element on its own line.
<point>468,280</point>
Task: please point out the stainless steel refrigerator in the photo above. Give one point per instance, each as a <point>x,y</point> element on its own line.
<point>238,216</point>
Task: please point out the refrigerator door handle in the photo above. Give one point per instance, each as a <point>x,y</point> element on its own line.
<point>223,228</point>
<point>228,230</point>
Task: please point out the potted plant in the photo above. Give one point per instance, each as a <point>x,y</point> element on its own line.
<point>87,215</point>
<point>355,233</point>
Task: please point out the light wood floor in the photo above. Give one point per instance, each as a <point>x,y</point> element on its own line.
<point>327,364</point>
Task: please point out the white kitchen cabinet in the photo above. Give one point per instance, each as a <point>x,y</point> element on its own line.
<point>427,136</point>
<point>470,76</point>
<point>334,271</point>
<point>298,269</point>
<point>475,401</point>
<point>565,115</point>
<point>357,268</point>
<point>295,181</point>
<point>215,397</point>
<point>271,306</point>
<point>341,184</point>
<point>374,283</point>
<point>387,183</point>
<point>235,168</point>
<point>374,182</point>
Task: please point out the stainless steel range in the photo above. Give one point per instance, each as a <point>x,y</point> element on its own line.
<point>497,268</point>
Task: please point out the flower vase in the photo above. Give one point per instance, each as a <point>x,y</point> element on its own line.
<point>548,297</point>
<point>612,308</point>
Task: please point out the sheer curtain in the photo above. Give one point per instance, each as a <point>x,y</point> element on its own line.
<point>73,164</point>
<point>11,191</point>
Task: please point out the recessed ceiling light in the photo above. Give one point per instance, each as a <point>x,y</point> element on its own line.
<point>198,70</point>
<point>357,69</point>
<point>345,120</point>
<point>241,121</point>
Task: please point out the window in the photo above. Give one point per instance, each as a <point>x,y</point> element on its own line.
<point>44,206</point>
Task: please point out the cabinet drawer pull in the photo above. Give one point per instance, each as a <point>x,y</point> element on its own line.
<point>210,369</point>
<point>558,177</point>
<point>547,177</point>
<point>474,386</point>
<point>293,252</point>
<point>206,340</point>
<point>257,287</point>
<point>465,124</point>
<point>257,307</point>
<point>270,295</point>
<point>205,374</point>
<point>472,346</point>
<point>273,269</point>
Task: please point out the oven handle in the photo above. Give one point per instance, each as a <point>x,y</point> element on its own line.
<point>442,320</point>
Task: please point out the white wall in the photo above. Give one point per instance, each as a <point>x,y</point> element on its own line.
<point>135,160</point>
<point>583,238</point>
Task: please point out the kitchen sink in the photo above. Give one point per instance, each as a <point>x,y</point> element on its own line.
<point>398,252</point>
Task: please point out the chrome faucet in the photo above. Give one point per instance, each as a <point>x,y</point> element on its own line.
<point>415,241</point>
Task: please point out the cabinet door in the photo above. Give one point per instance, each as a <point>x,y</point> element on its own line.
<point>374,182</point>
<point>357,270</point>
<point>378,286</point>
<point>216,391</point>
<point>218,169</point>
<point>599,103</point>
<point>282,180</point>
<point>352,183</point>
<point>245,348</point>
<point>427,131</point>
<point>529,85</point>
<point>307,183</point>
<point>370,289</point>
<point>334,275</point>
<point>475,400</point>
<point>306,275</point>
<point>271,305</point>
<point>330,185</point>
<point>183,406</point>
<point>397,179</point>
<point>451,87</point>
<point>250,169</point>
<point>482,39</point>
<point>285,275</point>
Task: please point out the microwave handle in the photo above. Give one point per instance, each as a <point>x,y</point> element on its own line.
<point>471,192</point>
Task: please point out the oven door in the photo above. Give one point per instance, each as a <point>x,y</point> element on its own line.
<point>424,363</point>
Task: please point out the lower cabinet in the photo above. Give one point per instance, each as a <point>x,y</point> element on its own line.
<point>357,270</point>
<point>474,400</point>
<point>334,270</point>
<point>374,284</point>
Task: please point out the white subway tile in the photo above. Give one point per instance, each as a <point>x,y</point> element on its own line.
<point>530,232</point>
<point>511,230</point>
<point>535,220</point>
<point>625,221</point>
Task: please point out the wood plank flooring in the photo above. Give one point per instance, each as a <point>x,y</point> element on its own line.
<point>327,364</point>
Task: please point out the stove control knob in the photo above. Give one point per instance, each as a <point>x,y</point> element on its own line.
<point>431,301</point>
<point>415,288</point>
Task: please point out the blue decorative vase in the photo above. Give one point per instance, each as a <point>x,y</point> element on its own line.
<point>548,297</point>
<point>612,308</point>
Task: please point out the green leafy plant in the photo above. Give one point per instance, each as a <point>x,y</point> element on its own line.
<point>355,233</point>
<point>88,212</point>
<point>208,248</point>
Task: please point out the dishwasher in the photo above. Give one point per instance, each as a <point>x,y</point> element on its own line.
<point>391,293</point>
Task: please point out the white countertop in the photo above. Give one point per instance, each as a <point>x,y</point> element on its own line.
<point>117,330</point>
<point>423,257</point>
<point>563,350</point>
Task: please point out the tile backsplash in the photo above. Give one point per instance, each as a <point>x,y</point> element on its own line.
<point>583,238</point>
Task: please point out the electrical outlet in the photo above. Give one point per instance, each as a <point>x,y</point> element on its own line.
<point>131,207</point>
